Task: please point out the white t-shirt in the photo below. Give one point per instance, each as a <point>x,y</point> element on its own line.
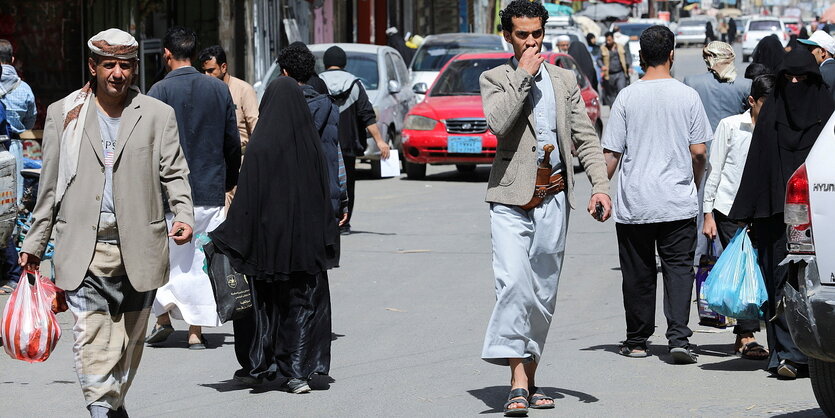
<point>652,125</point>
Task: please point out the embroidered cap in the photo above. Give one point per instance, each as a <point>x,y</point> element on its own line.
<point>114,43</point>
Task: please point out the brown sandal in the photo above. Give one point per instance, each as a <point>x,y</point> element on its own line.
<point>754,351</point>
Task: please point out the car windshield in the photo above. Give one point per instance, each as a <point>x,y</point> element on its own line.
<point>764,25</point>
<point>692,23</point>
<point>363,65</point>
<point>461,77</point>
<point>633,30</point>
<point>434,56</point>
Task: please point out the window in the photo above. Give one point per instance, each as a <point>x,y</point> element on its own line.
<point>391,69</point>
<point>363,65</point>
<point>765,25</point>
<point>461,77</point>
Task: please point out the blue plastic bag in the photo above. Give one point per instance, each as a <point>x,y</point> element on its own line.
<point>735,286</point>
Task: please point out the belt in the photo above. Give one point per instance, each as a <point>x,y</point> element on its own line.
<point>556,184</point>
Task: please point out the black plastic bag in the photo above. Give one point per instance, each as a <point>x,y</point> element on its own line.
<point>232,291</point>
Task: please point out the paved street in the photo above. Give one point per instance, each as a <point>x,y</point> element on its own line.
<point>410,305</point>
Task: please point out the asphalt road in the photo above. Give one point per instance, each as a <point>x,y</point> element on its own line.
<point>410,304</point>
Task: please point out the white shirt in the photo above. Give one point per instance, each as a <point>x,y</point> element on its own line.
<point>727,160</point>
<point>544,105</point>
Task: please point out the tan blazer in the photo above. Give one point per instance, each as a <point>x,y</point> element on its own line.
<point>148,162</point>
<point>504,94</point>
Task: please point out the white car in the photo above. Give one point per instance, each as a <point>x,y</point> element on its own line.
<point>385,78</point>
<point>809,294</point>
<point>691,30</point>
<point>757,29</point>
<point>437,50</point>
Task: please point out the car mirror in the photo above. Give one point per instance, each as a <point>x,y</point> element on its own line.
<point>394,86</point>
<point>420,88</point>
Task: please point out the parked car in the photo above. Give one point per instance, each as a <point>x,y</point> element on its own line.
<point>383,74</point>
<point>691,30</point>
<point>449,126</point>
<point>809,294</point>
<point>757,29</point>
<point>437,50</point>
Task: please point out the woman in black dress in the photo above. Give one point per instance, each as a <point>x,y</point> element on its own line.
<point>788,125</point>
<point>281,232</point>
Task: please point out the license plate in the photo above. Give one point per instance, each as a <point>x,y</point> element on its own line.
<point>464,145</point>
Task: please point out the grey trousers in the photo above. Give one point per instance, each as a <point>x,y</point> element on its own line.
<point>528,250</point>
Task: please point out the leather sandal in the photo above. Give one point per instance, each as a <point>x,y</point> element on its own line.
<point>536,396</point>
<point>512,399</point>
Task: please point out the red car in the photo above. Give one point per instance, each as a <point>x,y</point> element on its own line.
<point>449,126</point>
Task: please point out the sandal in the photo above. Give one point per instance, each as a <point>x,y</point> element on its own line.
<point>536,396</point>
<point>754,351</point>
<point>202,345</point>
<point>511,399</point>
<point>6,289</point>
<point>634,352</point>
<point>159,334</point>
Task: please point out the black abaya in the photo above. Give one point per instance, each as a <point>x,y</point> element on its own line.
<point>280,231</point>
<point>581,55</point>
<point>788,125</point>
<point>769,52</point>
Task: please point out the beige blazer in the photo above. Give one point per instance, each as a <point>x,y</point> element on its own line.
<point>504,92</point>
<point>148,162</point>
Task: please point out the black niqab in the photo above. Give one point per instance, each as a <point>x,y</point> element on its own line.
<point>788,125</point>
<point>281,220</point>
<point>581,55</point>
<point>769,52</point>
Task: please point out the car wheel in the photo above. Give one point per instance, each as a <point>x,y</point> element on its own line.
<point>746,58</point>
<point>465,168</point>
<point>415,171</point>
<point>822,374</point>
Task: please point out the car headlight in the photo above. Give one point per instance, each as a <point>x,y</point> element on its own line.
<point>419,123</point>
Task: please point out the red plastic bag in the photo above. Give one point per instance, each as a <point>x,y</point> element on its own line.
<point>29,328</point>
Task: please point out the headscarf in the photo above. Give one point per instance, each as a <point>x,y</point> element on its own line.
<point>788,125</point>
<point>769,52</point>
<point>804,34</point>
<point>281,220</point>
<point>719,58</point>
<point>580,53</point>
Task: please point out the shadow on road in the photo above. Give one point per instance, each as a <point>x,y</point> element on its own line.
<point>717,350</point>
<point>317,382</point>
<point>736,364</point>
<point>357,232</point>
<point>806,413</point>
<point>495,396</point>
<point>179,339</point>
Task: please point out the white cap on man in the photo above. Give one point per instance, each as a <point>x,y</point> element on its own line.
<point>114,43</point>
<point>563,38</point>
<point>821,39</point>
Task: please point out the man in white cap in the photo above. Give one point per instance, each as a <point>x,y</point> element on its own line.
<point>563,43</point>
<point>110,155</point>
<point>822,47</point>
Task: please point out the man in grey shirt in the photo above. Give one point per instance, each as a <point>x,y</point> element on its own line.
<point>659,127</point>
